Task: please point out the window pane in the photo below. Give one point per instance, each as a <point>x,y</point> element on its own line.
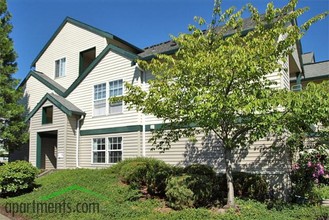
<point>99,157</point>
<point>115,156</point>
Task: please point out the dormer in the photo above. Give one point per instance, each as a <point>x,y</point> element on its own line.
<point>72,48</point>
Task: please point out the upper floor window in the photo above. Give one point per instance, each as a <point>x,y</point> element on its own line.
<point>116,89</point>
<point>47,115</point>
<point>100,99</point>
<point>86,58</point>
<point>60,67</point>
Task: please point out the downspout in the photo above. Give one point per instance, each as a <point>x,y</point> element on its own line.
<point>143,75</point>
<point>77,141</point>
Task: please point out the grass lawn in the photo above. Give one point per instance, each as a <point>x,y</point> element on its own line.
<point>118,201</point>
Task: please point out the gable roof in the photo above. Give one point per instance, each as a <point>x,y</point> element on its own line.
<point>64,105</point>
<point>319,70</point>
<point>85,73</point>
<point>86,27</point>
<point>308,58</point>
<point>50,83</point>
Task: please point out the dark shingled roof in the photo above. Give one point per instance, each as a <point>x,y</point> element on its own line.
<point>51,81</point>
<point>60,102</point>
<point>308,58</point>
<point>67,104</point>
<point>317,70</point>
<point>170,46</point>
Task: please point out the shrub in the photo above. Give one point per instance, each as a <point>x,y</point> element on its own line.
<point>16,177</point>
<point>143,171</point>
<point>200,169</point>
<point>311,168</point>
<point>198,179</point>
<point>178,194</point>
<point>319,192</point>
<point>134,173</point>
<point>247,185</point>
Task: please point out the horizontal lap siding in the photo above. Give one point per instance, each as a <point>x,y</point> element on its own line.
<point>71,142</point>
<point>69,43</point>
<point>112,67</point>
<point>59,121</point>
<point>131,148</point>
<point>259,157</point>
<point>34,91</point>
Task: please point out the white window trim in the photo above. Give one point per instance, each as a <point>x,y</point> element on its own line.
<point>106,149</point>
<point>57,77</point>
<point>107,106</point>
<point>92,150</point>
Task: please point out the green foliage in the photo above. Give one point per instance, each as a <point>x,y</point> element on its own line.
<point>319,192</point>
<point>16,177</point>
<point>193,188</point>
<point>143,171</point>
<point>13,129</point>
<point>134,173</point>
<point>248,185</point>
<point>217,81</point>
<point>311,168</point>
<point>178,194</point>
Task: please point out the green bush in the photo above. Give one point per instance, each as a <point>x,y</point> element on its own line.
<point>17,177</point>
<point>319,192</point>
<point>198,179</point>
<point>134,173</point>
<point>247,185</point>
<point>142,171</point>
<point>178,194</point>
<point>200,169</point>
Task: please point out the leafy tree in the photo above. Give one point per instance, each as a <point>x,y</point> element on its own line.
<point>217,80</point>
<point>12,125</point>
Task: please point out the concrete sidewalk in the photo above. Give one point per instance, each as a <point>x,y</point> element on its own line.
<point>2,217</point>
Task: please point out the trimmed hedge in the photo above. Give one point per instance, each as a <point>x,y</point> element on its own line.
<point>16,177</point>
<point>142,171</point>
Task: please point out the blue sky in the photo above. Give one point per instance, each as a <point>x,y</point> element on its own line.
<point>140,22</point>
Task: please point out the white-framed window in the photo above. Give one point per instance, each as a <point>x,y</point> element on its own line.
<point>99,99</point>
<point>107,150</point>
<point>115,149</point>
<point>60,67</point>
<point>115,90</point>
<point>99,150</point>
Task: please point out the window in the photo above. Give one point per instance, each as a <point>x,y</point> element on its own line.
<point>115,149</point>
<point>99,99</point>
<point>99,150</point>
<point>86,58</point>
<point>60,67</point>
<point>47,115</point>
<point>107,152</point>
<point>116,90</point>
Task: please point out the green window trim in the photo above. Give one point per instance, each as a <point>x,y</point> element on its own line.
<point>47,115</point>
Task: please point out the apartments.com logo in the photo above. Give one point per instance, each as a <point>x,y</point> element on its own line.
<point>45,206</point>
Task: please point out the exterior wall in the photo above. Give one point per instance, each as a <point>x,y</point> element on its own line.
<point>71,125</point>
<point>59,122</point>
<point>34,91</point>
<point>131,146</point>
<point>69,42</point>
<point>112,67</point>
<point>258,158</point>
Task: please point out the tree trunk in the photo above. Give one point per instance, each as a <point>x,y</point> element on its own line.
<point>229,177</point>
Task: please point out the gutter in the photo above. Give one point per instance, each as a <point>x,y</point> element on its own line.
<point>77,141</point>
<point>143,76</point>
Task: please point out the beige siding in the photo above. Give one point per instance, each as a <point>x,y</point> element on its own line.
<point>68,43</point>
<point>112,67</point>
<point>71,142</point>
<point>131,147</point>
<point>34,90</point>
<point>258,158</point>
<point>59,120</point>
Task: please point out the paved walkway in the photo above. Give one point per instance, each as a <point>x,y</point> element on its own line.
<point>2,217</point>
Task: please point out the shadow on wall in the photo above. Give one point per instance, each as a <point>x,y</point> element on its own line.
<point>268,156</point>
